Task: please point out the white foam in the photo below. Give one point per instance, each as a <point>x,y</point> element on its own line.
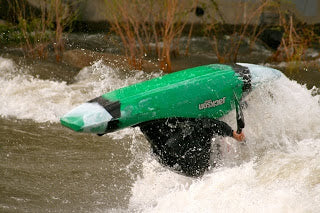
<point>25,97</point>
<point>277,182</point>
<point>281,174</point>
<point>283,137</point>
<point>246,188</point>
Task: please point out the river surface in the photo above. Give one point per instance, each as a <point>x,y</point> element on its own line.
<point>45,167</point>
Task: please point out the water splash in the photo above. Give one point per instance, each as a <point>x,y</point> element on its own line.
<point>281,174</point>
<point>26,97</point>
<point>282,128</point>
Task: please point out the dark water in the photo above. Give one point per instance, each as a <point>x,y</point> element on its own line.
<point>47,168</point>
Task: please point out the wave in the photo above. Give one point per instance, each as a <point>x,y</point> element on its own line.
<point>26,97</point>
<point>277,171</point>
<point>276,182</point>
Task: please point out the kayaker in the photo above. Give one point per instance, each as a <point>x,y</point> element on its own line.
<point>185,144</point>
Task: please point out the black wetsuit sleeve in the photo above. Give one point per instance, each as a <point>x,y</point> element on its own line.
<point>219,127</point>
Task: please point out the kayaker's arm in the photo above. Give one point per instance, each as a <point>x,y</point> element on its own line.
<point>220,128</point>
<point>223,129</point>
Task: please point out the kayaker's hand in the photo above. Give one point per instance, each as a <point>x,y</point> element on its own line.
<point>239,137</point>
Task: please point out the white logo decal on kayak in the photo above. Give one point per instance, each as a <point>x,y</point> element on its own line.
<point>210,103</point>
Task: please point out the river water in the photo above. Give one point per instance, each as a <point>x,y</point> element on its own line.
<point>45,167</point>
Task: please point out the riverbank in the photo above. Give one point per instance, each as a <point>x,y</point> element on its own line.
<point>164,34</point>
<point>84,49</point>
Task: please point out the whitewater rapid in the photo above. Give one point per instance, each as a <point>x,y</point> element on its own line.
<point>278,170</point>
<point>26,97</point>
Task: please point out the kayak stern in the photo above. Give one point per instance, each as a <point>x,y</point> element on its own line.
<point>88,117</point>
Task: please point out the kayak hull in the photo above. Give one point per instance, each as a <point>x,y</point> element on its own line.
<point>201,92</point>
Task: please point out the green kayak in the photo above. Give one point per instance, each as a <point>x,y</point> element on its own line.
<point>201,92</point>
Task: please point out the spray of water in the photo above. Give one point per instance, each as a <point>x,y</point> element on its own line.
<point>279,171</point>
<point>25,97</point>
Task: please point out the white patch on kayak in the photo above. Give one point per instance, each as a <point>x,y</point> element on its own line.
<point>261,74</point>
<point>93,115</point>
